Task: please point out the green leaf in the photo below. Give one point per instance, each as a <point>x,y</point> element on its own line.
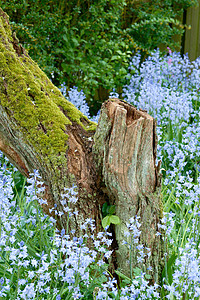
<point>115,57</point>
<point>122,71</point>
<point>170,131</point>
<point>104,208</point>
<point>111,209</point>
<point>75,41</point>
<point>121,275</point>
<point>114,220</point>
<point>170,264</point>
<point>119,52</point>
<point>106,221</point>
<point>171,296</point>
<point>137,271</point>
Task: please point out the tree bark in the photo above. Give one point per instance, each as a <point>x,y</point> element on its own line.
<point>113,162</point>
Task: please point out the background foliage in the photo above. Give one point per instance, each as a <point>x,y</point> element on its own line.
<point>88,44</point>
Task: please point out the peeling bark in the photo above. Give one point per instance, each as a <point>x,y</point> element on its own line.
<point>40,129</point>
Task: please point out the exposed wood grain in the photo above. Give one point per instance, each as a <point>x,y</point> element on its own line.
<point>125,143</point>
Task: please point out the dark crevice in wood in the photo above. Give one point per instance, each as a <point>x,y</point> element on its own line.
<point>41,126</point>
<point>18,47</point>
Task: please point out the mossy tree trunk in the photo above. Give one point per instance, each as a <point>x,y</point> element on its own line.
<point>113,162</point>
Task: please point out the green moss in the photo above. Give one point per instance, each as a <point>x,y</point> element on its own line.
<point>74,114</point>
<point>5,30</point>
<point>34,102</point>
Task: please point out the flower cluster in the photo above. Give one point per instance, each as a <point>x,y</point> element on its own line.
<point>77,98</point>
<point>186,276</point>
<point>168,88</point>
<point>36,259</point>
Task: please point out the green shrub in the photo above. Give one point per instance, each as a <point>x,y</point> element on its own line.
<point>88,44</point>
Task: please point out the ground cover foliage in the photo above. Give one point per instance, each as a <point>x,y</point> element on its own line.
<point>88,44</point>
<point>39,262</point>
